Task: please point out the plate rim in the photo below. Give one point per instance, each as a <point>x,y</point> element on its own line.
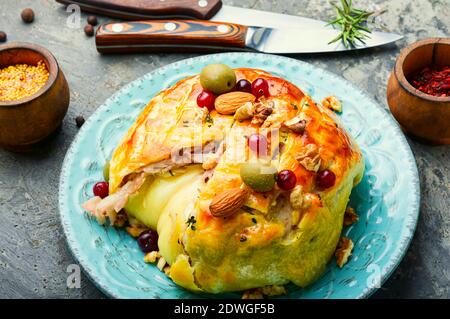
<point>396,256</point>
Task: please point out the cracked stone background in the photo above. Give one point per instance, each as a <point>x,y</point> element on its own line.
<point>33,252</point>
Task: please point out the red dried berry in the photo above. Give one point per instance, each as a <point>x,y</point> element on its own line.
<point>148,241</point>
<point>206,99</point>
<point>286,180</point>
<point>101,189</point>
<point>325,179</point>
<point>244,86</point>
<point>260,87</point>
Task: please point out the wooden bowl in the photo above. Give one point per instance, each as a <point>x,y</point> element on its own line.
<point>29,120</point>
<point>422,116</point>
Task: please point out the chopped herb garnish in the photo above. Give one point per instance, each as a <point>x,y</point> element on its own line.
<point>209,119</point>
<point>170,172</point>
<point>190,222</point>
<point>305,103</point>
<point>294,106</point>
<point>254,220</point>
<point>247,209</point>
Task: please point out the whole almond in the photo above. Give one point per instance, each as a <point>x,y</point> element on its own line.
<point>228,202</point>
<point>228,103</point>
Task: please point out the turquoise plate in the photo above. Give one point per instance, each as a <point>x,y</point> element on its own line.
<point>387,200</point>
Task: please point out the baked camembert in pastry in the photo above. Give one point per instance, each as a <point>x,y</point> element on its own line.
<point>245,184</point>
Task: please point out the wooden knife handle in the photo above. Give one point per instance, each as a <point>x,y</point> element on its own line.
<point>169,36</point>
<point>150,9</point>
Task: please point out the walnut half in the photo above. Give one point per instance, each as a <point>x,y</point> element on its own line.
<point>273,290</point>
<point>343,251</point>
<point>152,257</point>
<point>253,294</point>
<point>296,124</point>
<point>135,230</point>
<point>309,158</point>
<point>332,103</point>
<point>262,111</point>
<point>350,216</point>
<point>259,293</point>
<point>245,112</point>
<point>296,197</point>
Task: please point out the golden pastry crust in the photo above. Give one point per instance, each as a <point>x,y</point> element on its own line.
<point>268,242</point>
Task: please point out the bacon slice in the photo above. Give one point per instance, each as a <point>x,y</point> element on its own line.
<point>162,166</point>
<point>112,204</point>
<point>91,207</point>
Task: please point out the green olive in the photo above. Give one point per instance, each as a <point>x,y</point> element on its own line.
<point>218,78</point>
<point>259,176</point>
<point>106,171</point>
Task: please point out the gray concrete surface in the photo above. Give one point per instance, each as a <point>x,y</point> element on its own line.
<point>33,252</point>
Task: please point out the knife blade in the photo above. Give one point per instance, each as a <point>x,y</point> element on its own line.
<point>259,18</point>
<point>197,35</point>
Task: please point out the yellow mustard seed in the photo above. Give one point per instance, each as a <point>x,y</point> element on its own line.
<point>22,80</point>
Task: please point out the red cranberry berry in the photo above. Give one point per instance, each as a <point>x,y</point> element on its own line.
<point>260,87</point>
<point>286,180</point>
<point>206,99</point>
<point>101,189</point>
<point>258,144</point>
<point>244,86</point>
<point>148,241</point>
<point>325,179</point>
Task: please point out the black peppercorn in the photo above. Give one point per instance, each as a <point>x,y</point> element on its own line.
<point>3,36</point>
<point>27,15</point>
<point>92,20</point>
<point>89,30</point>
<point>79,120</point>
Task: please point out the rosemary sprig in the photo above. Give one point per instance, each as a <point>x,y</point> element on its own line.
<point>351,22</point>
